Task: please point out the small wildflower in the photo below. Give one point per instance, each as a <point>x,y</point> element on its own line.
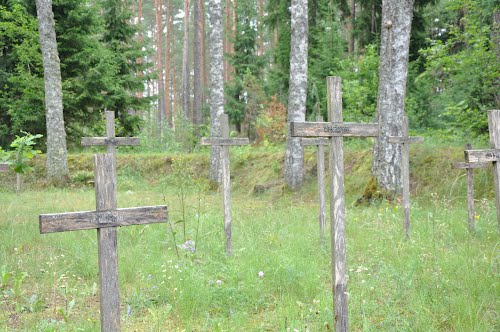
<point>261,274</point>
<point>129,310</point>
<point>218,282</point>
<point>188,246</point>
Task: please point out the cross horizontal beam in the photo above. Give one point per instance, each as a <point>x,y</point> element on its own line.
<point>314,141</point>
<point>72,221</point>
<point>405,140</point>
<point>482,156</point>
<point>225,141</point>
<point>333,129</point>
<point>464,165</point>
<point>4,167</point>
<point>111,141</point>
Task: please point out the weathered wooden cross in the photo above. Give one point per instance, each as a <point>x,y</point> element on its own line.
<point>405,140</point>
<point>336,130</point>
<point>225,142</point>
<point>469,168</point>
<point>105,219</point>
<point>320,160</point>
<point>490,155</point>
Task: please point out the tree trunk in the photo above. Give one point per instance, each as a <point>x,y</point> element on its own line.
<point>393,71</point>
<point>217,85</point>
<point>139,60</point>
<point>197,66</point>
<point>168,47</point>
<point>495,37</point>
<point>294,154</point>
<point>57,160</point>
<point>185,64</point>
<point>159,64</point>
<point>350,27</point>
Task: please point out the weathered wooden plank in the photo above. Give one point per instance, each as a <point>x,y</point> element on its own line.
<point>337,201</point>
<point>4,167</point>
<point>315,141</point>
<point>405,140</point>
<point>226,184</point>
<point>105,141</point>
<point>470,194</point>
<point>320,159</point>
<point>494,128</point>
<point>225,141</point>
<point>107,238</point>
<point>73,221</point>
<point>482,156</point>
<point>333,129</point>
<point>465,165</point>
<point>405,176</point>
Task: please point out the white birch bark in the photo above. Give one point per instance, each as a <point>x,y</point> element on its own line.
<point>294,154</point>
<point>216,85</point>
<point>393,71</point>
<point>57,163</point>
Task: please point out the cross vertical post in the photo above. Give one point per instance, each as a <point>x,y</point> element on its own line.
<point>335,129</point>
<point>469,168</point>
<point>225,142</point>
<point>405,141</point>
<point>490,155</point>
<point>320,160</point>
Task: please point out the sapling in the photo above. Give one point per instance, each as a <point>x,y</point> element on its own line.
<point>22,154</point>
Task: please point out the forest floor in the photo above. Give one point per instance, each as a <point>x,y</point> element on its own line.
<point>279,278</point>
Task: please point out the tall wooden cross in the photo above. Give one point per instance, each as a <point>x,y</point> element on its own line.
<point>405,140</point>
<point>336,130</point>
<point>225,142</point>
<point>469,168</point>
<point>490,155</point>
<point>105,219</point>
<point>320,160</point>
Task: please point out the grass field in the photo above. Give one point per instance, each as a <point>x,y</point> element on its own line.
<point>279,278</point>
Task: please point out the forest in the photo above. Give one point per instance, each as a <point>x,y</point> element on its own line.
<point>216,117</point>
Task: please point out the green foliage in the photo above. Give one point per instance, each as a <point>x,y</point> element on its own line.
<point>23,152</point>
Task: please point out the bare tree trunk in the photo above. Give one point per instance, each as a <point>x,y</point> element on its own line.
<point>185,63</point>
<point>159,64</point>
<point>197,65</point>
<point>139,60</point>
<point>57,153</point>
<point>294,154</point>
<point>217,85</point>
<point>495,37</point>
<point>203,53</point>
<point>261,27</point>
<point>393,71</point>
<point>168,47</point>
<point>350,26</point>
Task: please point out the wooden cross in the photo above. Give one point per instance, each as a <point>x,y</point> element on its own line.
<point>336,130</point>
<point>469,168</point>
<point>320,160</point>
<point>225,142</point>
<point>105,219</point>
<point>490,155</point>
<point>405,140</point>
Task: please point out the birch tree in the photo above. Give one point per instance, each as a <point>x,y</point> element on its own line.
<point>393,71</point>
<point>57,154</point>
<point>294,154</point>
<point>217,84</point>
<point>197,64</point>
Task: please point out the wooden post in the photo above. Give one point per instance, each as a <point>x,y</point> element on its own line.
<point>336,130</point>
<point>469,167</point>
<point>225,142</point>
<point>405,140</point>
<point>320,160</point>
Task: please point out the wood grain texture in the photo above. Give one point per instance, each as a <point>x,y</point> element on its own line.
<point>470,195</point>
<point>333,129</point>
<point>405,176</point>
<point>104,141</point>
<point>482,156</point>
<point>320,160</point>
<point>315,141</point>
<point>107,241</point>
<point>405,140</point>
<point>337,209</point>
<point>494,127</point>
<point>226,185</point>
<point>465,165</point>
<point>4,167</point>
<point>225,141</point>
<point>74,221</point>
